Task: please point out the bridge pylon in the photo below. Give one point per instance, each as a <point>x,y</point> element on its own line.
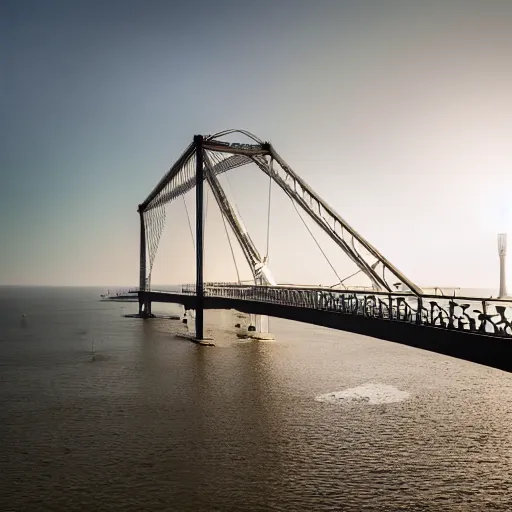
<point>204,160</point>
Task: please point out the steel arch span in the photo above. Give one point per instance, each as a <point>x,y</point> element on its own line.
<point>209,156</point>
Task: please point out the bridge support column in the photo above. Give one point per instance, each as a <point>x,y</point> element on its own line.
<point>198,140</point>
<point>142,267</point>
<point>145,309</point>
<point>258,328</point>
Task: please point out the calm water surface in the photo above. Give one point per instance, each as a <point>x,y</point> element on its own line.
<point>157,423</point>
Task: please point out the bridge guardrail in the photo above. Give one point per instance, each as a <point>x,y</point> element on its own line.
<point>473,314</point>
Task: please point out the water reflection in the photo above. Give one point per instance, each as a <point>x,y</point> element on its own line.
<point>157,423</point>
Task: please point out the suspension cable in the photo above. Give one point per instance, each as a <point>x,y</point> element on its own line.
<point>205,207</point>
<point>233,201</point>
<point>218,160</point>
<point>269,204</point>
<point>205,216</point>
<point>231,247</point>
<point>189,223</point>
<point>354,274</point>
<point>316,241</point>
<point>345,278</point>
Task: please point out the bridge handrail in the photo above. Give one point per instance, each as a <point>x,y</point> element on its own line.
<point>484,315</point>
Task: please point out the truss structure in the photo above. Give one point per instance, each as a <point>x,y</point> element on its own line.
<point>218,156</point>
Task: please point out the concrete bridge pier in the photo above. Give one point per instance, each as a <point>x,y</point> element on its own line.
<point>145,308</point>
<point>189,320</point>
<point>258,328</point>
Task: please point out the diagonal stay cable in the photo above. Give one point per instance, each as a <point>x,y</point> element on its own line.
<point>218,161</point>
<point>189,223</point>
<point>269,205</point>
<point>231,247</point>
<point>316,241</point>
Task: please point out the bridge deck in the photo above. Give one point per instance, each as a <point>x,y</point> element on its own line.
<point>478,330</point>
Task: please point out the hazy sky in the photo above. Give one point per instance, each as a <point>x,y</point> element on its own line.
<point>399,113</point>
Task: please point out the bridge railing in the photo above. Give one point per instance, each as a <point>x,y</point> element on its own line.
<point>473,314</point>
<point>375,304</point>
<point>483,315</point>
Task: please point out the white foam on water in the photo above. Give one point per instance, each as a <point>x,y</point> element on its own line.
<point>367,393</point>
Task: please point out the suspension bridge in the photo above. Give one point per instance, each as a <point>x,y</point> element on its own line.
<point>391,308</point>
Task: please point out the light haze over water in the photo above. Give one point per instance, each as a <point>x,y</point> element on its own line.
<point>397,112</point>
